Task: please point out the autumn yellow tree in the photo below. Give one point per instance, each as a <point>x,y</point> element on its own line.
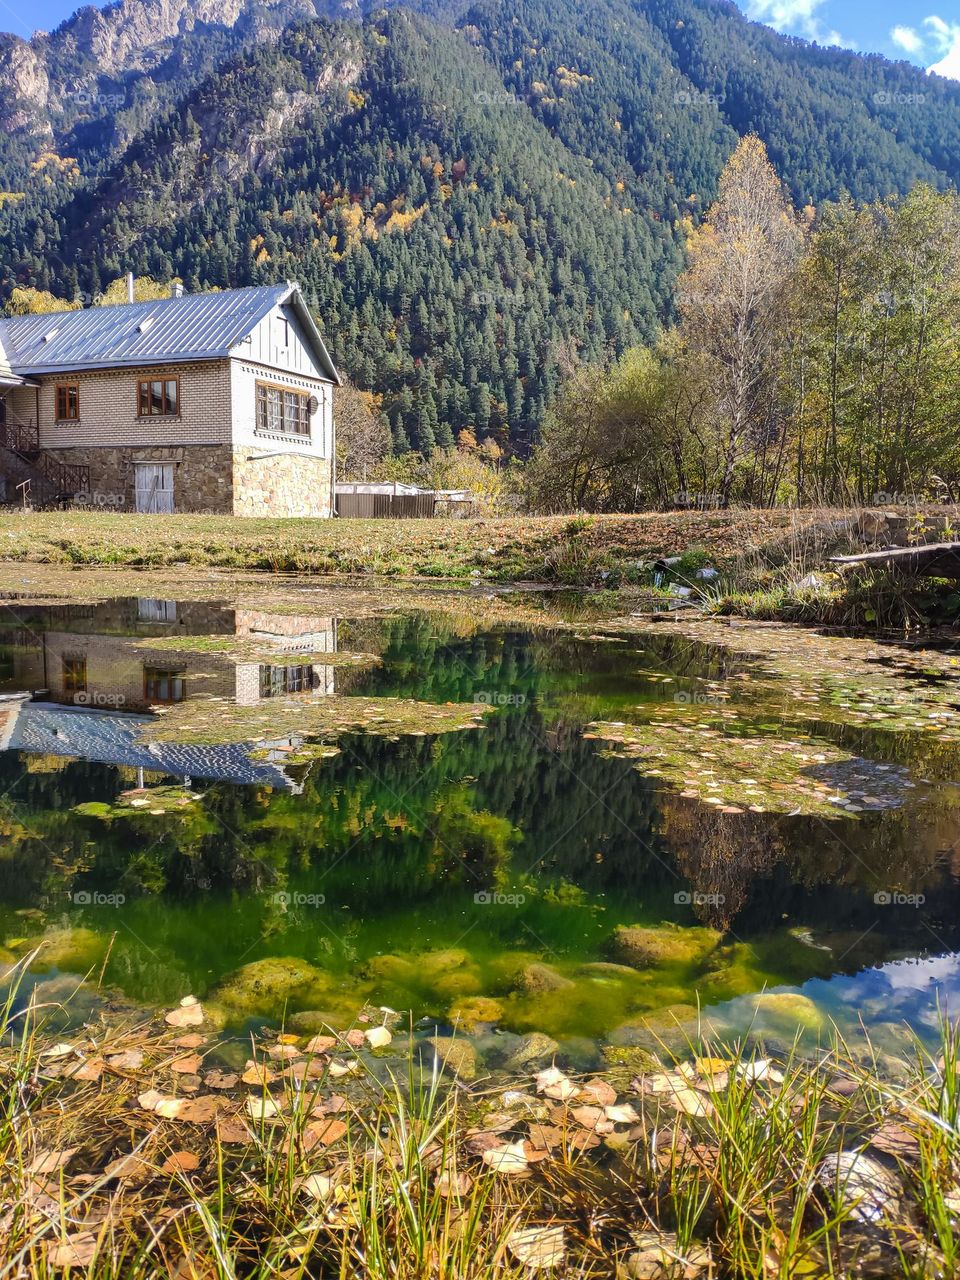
<point>34,302</point>
<point>732,297</point>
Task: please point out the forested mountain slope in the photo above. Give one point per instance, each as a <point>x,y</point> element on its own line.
<point>463,190</point>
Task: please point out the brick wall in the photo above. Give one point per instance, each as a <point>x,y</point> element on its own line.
<point>108,408</point>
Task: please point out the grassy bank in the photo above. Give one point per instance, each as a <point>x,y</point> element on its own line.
<point>580,551</point>
<point>145,1148</point>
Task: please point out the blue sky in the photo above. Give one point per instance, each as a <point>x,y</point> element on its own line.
<point>927,34</point>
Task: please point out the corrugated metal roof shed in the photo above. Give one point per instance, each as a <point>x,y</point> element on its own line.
<point>196,326</point>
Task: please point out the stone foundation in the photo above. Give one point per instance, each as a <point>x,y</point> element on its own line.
<point>280,484</point>
<point>208,479</point>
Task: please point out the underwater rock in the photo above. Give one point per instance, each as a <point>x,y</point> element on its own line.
<point>390,968</point>
<point>534,1047</point>
<point>789,1006</point>
<point>649,1029</point>
<point>867,1189</point>
<point>460,983</point>
<point>458,1055</point>
<point>436,964</point>
<point>537,978</point>
<point>312,1022</point>
<point>264,986</point>
<point>606,969</point>
<point>646,945</point>
<point>475,1012</point>
<point>72,950</point>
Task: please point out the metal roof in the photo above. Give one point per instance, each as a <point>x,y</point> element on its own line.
<point>196,326</point>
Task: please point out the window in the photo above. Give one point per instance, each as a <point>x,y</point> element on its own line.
<point>282,412</point>
<point>68,402</point>
<point>161,685</point>
<point>277,681</point>
<point>159,399</point>
<point>74,675</point>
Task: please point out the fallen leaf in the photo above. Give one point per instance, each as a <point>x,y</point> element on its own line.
<point>192,1040</point>
<point>509,1158</point>
<point>320,1044</point>
<point>378,1037</point>
<point>187,1065</point>
<point>60,1050</point>
<point>46,1161</point>
<point>262,1108</point>
<point>221,1079</point>
<point>127,1060</point>
<point>72,1251</point>
<point>538,1248</point>
<point>598,1091</point>
<point>282,1052</point>
<point>232,1131</point>
<point>317,1186</point>
<point>258,1073</point>
<point>188,1015</point>
<point>622,1114</point>
<point>323,1133</point>
<point>180,1162</point>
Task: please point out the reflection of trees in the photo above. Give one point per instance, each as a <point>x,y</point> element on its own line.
<point>720,854</point>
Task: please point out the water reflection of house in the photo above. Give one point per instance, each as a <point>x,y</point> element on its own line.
<point>75,680</point>
<point>113,738</point>
<point>100,657</point>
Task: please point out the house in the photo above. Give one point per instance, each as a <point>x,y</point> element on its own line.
<point>213,402</point>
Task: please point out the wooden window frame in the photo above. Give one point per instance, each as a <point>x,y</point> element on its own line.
<point>73,673</point>
<point>153,674</point>
<point>262,420</point>
<point>61,400</point>
<point>165,412</point>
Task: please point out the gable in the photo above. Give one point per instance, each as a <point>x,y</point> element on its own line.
<point>282,340</point>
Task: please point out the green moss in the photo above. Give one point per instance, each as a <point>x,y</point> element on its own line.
<point>645,946</point>
<point>263,987</point>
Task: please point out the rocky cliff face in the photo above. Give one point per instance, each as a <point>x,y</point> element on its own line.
<point>89,68</point>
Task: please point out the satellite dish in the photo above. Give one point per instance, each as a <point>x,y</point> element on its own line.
<point>313,404</point>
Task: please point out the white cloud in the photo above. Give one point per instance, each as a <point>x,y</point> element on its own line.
<point>794,17</point>
<point>945,40</point>
<point>909,40</point>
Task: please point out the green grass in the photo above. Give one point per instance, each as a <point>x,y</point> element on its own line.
<point>579,551</point>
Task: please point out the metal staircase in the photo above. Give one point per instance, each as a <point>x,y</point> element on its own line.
<point>42,479</point>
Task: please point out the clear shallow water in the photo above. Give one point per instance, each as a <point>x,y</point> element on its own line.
<point>433,871</point>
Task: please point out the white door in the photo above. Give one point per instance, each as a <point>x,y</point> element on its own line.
<point>154,486</point>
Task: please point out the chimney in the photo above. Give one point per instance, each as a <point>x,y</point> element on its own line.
<point>129,286</point>
<point>176,289</point>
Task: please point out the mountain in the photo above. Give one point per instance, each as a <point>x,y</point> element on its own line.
<point>463,191</point>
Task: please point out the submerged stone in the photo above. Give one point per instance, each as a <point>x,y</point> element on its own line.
<point>646,945</point>
<point>265,986</point>
<point>861,1185</point>
<point>534,1047</point>
<point>73,950</point>
<point>790,1006</point>
<point>475,1012</point>
<point>537,978</point>
<point>456,1054</point>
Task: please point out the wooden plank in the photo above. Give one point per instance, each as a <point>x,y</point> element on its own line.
<point>932,559</point>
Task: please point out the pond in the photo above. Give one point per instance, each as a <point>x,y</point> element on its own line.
<point>494,817</point>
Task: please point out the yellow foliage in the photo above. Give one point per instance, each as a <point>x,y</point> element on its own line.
<point>400,221</point>
<point>35,302</point>
<point>10,197</point>
<point>438,169</point>
<point>356,100</point>
<point>144,290</point>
